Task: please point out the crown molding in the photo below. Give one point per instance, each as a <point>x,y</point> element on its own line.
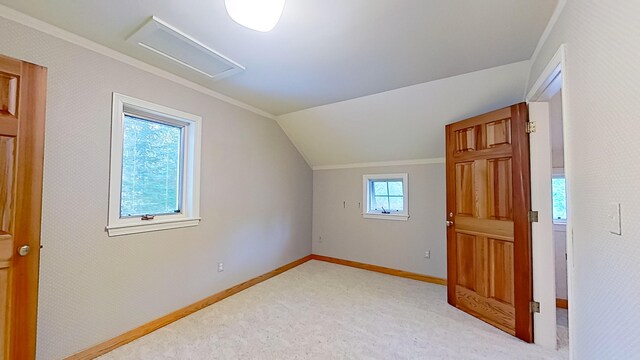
<point>44,27</point>
<point>381,163</point>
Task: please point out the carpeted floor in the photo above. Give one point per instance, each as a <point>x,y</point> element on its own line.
<point>562,317</point>
<point>323,311</point>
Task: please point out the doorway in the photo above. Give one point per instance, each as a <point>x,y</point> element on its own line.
<point>550,195</point>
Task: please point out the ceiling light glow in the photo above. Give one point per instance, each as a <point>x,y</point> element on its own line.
<point>259,15</point>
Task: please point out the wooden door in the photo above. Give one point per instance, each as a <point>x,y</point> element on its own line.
<point>22,113</point>
<point>488,236</point>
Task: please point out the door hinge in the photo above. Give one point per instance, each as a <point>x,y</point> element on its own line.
<point>534,307</point>
<point>533,216</point>
<point>531,127</point>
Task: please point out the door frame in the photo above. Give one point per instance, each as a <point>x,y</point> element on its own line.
<point>552,78</point>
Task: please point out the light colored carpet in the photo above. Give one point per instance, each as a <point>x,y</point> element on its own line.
<point>323,311</point>
<point>562,319</point>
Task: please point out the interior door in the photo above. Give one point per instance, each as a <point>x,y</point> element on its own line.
<point>488,231</point>
<point>22,114</point>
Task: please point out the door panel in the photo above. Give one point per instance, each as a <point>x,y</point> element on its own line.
<point>501,270</point>
<point>466,261</point>
<point>499,190</point>
<point>488,238</point>
<point>8,94</point>
<point>7,162</point>
<point>22,113</point>
<point>464,194</point>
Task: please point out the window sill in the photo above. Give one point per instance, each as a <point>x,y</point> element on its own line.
<point>150,225</point>
<point>386,217</point>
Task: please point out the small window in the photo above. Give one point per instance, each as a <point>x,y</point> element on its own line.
<point>155,158</point>
<point>385,196</point>
<point>558,188</point>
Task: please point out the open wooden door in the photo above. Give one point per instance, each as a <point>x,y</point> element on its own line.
<point>22,114</point>
<point>488,236</point>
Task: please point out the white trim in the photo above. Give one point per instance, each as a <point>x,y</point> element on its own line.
<point>548,75</point>
<point>366,179</point>
<point>545,34</point>
<point>190,206</point>
<point>381,163</point>
<point>118,230</point>
<point>559,62</point>
<point>542,240</point>
<point>386,217</point>
<point>55,31</point>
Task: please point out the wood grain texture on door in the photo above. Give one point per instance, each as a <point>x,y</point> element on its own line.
<point>22,116</point>
<point>488,240</point>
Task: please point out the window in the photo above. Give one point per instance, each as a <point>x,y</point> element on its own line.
<point>558,189</point>
<point>386,196</point>
<point>155,165</point>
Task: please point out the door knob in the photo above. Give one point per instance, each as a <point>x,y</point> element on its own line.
<point>449,223</point>
<point>24,250</point>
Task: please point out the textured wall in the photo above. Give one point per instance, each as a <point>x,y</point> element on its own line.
<point>255,202</point>
<point>395,244</point>
<point>602,92</point>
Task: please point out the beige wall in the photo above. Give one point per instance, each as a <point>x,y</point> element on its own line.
<point>256,198</point>
<point>342,232</point>
<point>602,152</point>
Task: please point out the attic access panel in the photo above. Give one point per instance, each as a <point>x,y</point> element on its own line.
<point>167,41</point>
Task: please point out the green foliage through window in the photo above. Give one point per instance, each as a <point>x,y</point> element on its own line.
<point>558,188</point>
<point>151,167</point>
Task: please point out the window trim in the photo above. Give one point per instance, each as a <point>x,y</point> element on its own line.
<point>190,177</point>
<point>366,188</point>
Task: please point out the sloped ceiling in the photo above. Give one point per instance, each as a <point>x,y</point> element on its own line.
<point>402,124</point>
<point>322,51</point>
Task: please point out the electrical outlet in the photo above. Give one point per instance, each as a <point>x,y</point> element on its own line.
<point>427,254</point>
<point>220,267</point>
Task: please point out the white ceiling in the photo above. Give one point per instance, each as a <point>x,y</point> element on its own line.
<point>322,51</point>
<point>401,124</point>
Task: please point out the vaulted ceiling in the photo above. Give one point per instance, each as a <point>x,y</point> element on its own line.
<point>401,124</point>
<point>322,51</point>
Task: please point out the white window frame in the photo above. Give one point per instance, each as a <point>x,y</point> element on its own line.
<point>190,197</point>
<point>366,192</point>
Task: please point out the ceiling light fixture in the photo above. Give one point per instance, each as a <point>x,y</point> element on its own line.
<point>259,15</point>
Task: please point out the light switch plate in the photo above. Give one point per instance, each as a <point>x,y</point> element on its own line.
<point>613,219</point>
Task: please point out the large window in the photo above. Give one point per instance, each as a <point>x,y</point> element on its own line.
<point>385,196</point>
<point>155,157</point>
